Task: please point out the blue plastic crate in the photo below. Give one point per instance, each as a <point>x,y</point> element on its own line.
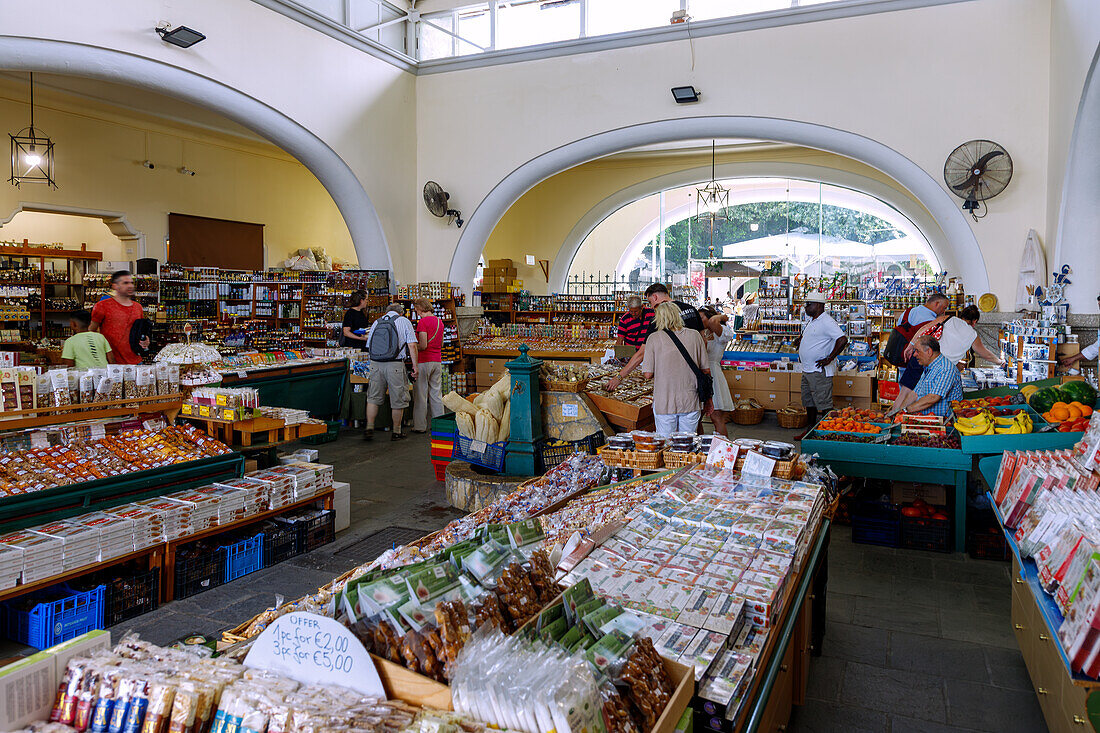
<point>875,523</point>
<point>52,622</point>
<point>244,557</point>
<point>486,455</point>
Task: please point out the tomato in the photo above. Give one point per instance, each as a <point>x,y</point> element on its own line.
<point>940,515</point>
<point>910,511</point>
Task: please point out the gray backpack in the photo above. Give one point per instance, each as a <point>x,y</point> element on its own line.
<point>385,344</point>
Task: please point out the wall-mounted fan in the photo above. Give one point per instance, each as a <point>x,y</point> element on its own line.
<point>435,198</point>
<point>977,171</point>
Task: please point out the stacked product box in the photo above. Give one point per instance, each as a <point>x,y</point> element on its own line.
<point>42,554</point>
<point>204,508</point>
<point>280,487</point>
<point>11,566</point>
<point>148,524</point>
<point>234,505</point>
<point>116,533</point>
<point>175,515</point>
<point>80,544</point>
<point>708,551</point>
<point>257,493</point>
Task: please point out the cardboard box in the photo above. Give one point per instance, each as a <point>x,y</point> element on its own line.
<point>859,403</point>
<point>341,504</point>
<point>743,394</point>
<point>853,385</point>
<point>492,264</point>
<point>773,382</point>
<point>492,364</point>
<point>28,688</point>
<point>506,272</point>
<point>903,492</point>
<point>773,400</point>
<point>740,380</point>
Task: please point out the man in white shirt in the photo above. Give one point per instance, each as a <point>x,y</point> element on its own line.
<point>1090,352</point>
<point>390,339</point>
<point>821,342</point>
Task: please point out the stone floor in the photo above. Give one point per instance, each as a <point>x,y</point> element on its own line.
<point>916,642</point>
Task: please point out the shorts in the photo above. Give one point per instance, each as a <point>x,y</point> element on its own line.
<point>911,375</point>
<point>388,375</point>
<point>817,390</point>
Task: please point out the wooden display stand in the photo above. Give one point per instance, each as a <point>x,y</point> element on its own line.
<point>28,253</point>
<point>19,419</point>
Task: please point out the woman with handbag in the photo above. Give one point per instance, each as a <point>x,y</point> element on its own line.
<point>676,359</point>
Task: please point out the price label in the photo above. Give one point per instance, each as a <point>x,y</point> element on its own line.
<point>569,411</point>
<point>39,440</point>
<point>98,431</point>
<point>478,446</point>
<point>242,374</point>
<point>758,464</point>
<point>314,649</point>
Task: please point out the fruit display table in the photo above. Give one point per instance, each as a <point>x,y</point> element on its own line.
<point>892,462</point>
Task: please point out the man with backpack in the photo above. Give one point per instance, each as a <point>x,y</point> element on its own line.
<point>390,339</point>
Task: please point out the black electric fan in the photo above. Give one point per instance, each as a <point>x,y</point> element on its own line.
<point>435,198</point>
<point>977,171</point>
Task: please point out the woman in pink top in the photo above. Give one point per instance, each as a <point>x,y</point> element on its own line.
<point>429,381</point>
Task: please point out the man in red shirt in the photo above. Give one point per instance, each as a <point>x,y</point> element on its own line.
<point>429,380</point>
<point>113,317</point>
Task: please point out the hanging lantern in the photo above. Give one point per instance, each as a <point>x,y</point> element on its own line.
<point>31,153</point>
<point>712,199</point>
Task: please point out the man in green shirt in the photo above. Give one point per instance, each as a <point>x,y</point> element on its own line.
<point>85,349</point>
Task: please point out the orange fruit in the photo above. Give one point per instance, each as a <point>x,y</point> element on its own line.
<point>1060,413</point>
<point>1058,404</point>
<point>1086,411</point>
<point>1074,411</point>
<point>1048,416</point>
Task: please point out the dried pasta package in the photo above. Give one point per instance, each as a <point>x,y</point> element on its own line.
<point>146,381</point>
<point>59,388</point>
<point>87,387</point>
<point>161,697</point>
<point>43,390</point>
<point>9,388</point>
<point>173,378</point>
<point>182,718</point>
<point>161,372</point>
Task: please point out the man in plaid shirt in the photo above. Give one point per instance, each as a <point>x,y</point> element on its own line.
<point>940,383</point>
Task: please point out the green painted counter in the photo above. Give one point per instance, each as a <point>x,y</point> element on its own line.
<point>62,502</point>
<point>318,388</point>
<point>900,462</point>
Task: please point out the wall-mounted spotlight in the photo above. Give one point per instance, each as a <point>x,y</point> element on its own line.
<point>182,36</point>
<point>186,171</point>
<point>148,164</point>
<point>685,95</point>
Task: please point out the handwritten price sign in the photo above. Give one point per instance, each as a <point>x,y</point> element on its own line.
<point>315,649</point>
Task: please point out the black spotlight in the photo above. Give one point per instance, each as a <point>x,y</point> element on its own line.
<point>182,36</point>
<point>685,95</point>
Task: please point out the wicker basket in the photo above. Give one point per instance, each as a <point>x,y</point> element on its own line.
<point>748,415</point>
<point>793,420</point>
<point>632,458</point>
<point>550,385</point>
<point>678,459</point>
<point>783,469</point>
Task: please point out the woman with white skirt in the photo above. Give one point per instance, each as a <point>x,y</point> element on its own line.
<point>722,403</point>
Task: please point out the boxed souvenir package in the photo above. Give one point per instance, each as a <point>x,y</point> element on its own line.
<point>175,515</point>
<point>11,566</point>
<point>80,544</point>
<point>43,555</point>
<point>304,481</point>
<point>280,487</point>
<point>148,523</point>
<point>234,504</point>
<point>204,508</point>
<point>116,534</point>
<point>258,492</point>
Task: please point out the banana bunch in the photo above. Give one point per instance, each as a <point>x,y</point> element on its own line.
<point>1019,425</point>
<point>1027,390</point>
<point>981,424</point>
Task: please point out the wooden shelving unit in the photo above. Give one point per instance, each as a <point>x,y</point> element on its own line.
<point>29,257</point>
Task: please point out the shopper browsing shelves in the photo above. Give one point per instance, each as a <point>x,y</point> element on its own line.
<point>940,382</point>
<point>354,328</point>
<point>670,354</point>
<point>85,349</point>
<point>429,380</point>
<point>821,342</point>
<point>115,316</point>
<point>390,341</point>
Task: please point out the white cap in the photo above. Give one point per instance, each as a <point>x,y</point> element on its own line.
<point>815,297</point>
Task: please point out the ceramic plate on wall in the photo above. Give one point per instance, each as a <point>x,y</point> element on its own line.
<point>988,303</point>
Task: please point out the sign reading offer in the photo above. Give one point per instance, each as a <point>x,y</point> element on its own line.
<point>314,649</point>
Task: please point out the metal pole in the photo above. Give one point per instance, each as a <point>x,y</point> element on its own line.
<point>661,239</point>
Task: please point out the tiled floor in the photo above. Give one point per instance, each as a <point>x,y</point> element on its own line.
<point>916,642</point>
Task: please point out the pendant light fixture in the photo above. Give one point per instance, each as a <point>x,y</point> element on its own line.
<point>31,153</point>
<point>713,198</point>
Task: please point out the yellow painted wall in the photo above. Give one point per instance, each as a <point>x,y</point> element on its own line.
<point>98,166</point>
<point>540,221</point>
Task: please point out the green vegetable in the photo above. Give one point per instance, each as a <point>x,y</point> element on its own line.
<point>1045,398</point>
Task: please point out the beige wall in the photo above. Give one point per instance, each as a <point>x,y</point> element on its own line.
<point>99,150</point>
<point>892,77</point>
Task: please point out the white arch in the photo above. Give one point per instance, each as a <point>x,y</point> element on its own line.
<point>1079,217</point>
<point>115,221</point>
<point>967,256</point>
<point>921,221</point>
<point>75,59</point>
